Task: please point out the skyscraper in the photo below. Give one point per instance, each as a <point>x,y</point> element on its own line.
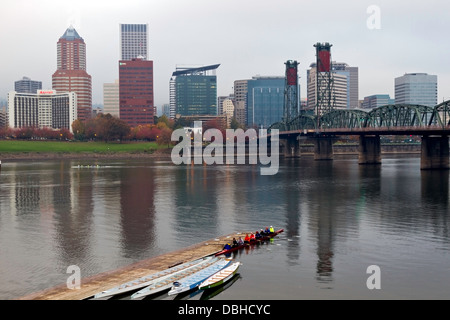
<point>416,88</point>
<point>26,85</point>
<point>352,74</point>
<point>71,75</point>
<point>133,41</point>
<point>136,91</point>
<point>240,100</point>
<point>339,90</point>
<point>111,98</point>
<point>265,100</point>
<point>195,90</point>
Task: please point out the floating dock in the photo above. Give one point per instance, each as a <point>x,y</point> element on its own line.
<point>106,280</point>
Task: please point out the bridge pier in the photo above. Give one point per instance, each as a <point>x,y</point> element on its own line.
<point>323,148</point>
<point>291,147</point>
<point>369,149</point>
<point>435,152</point>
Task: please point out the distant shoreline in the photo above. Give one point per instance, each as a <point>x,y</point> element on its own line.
<point>21,156</point>
<point>165,153</point>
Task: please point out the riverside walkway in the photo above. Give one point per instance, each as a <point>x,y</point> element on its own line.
<point>106,280</point>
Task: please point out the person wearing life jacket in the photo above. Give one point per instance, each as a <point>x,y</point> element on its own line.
<point>252,237</point>
<point>267,231</point>
<point>247,238</point>
<point>227,246</point>
<point>257,235</point>
<point>272,230</point>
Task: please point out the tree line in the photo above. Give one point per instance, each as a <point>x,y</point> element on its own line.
<point>105,127</point>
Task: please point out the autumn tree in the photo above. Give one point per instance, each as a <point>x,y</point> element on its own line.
<point>104,126</point>
<point>165,137</point>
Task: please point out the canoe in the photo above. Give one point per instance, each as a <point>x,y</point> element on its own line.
<point>225,251</point>
<point>263,238</point>
<point>209,294</point>
<point>148,279</point>
<point>194,280</point>
<point>220,277</point>
<point>165,283</point>
<point>267,236</point>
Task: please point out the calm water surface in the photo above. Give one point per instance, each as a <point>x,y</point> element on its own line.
<point>339,218</point>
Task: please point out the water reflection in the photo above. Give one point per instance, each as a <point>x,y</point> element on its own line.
<point>197,189</point>
<point>137,209</point>
<point>55,214</point>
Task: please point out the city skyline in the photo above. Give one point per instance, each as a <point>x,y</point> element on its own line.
<point>411,39</point>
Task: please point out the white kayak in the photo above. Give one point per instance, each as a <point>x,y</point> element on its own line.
<point>220,277</point>
<point>147,280</point>
<point>165,283</point>
<point>194,280</point>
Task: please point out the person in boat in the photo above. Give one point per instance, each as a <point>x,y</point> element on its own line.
<point>235,243</point>
<point>252,237</point>
<point>267,231</point>
<point>262,233</point>
<point>247,238</point>
<point>272,230</point>
<point>227,246</point>
<point>240,241</point>
<point>257,235</point>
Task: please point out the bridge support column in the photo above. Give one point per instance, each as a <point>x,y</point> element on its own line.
<point>323,148</point>
<point>435,153</point>
<point>369,150</point>
<point>291,147</point>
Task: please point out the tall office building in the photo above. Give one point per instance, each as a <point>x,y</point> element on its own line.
<point>352,74</point>
<point>195,90</point>
<point>228,109</point>
<point>416,88</point>
<point>265,101</point>
<point>240,101</point>
<point>71,75</point>
<point>172,99</point>
<point>339,91</point>
<point>26,85</point>
<point>111,98</point>
<point>136,92</point>
<point>44,109</point>
<point>133,41</point>
<point>3,117</point>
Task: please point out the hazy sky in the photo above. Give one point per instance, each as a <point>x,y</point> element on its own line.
<point>247,37</point>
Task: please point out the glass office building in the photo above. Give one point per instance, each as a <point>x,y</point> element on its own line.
<point>265,101</point>
<point>195,91</point>
<point>416,88</point>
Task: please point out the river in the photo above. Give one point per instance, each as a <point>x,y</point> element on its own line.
<point>339,218</point>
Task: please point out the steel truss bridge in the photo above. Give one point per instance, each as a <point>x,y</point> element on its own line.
<point>394,119</point>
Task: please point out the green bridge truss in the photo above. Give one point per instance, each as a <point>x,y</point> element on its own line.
<point>390,116</point>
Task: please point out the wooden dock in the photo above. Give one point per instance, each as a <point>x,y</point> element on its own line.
<point>106,280</point>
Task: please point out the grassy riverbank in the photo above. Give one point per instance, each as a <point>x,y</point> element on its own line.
<point>14,149</point>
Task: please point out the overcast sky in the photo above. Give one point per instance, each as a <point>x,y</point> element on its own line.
<point>246,37</point>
